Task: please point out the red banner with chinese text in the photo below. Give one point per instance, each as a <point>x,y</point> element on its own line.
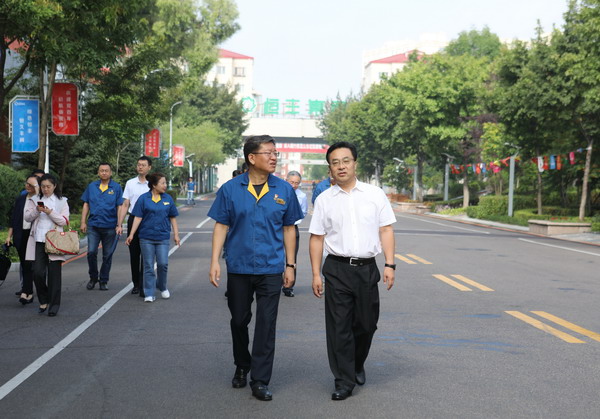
<point>178,155</point>
<point>152,144</point>
<point>65,109</point>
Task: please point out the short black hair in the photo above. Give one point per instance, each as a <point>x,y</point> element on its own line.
<point>342,144</point>
<point>154,178</point>
<point>148,159</point>
<point>38,173</point>
<point>253,144</point>
<point>104,164</point>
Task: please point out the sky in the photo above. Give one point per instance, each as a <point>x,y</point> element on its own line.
<point>313,49</point>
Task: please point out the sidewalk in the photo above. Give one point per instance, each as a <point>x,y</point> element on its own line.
<point>585,238</point>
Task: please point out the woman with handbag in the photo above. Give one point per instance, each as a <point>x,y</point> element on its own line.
<point>155,214</point>
<point>44,212</point>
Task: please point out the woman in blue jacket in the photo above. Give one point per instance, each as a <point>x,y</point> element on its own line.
<point>155,214</point>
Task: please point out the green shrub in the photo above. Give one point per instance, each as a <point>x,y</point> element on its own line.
<point>173,194</point>
<point>11,185</point>
<point>473,211</point>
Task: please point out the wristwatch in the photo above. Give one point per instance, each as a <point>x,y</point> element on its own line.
<point>290,265</point>
<point>391,265</point>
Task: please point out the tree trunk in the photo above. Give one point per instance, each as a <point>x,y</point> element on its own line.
<point>419,193</point>
<point>45,111</point>
<point>466,197</point>
<point>586,175</point>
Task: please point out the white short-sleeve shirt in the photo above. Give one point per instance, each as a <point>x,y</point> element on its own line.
<point>350,222</point>
<point>133,189</point>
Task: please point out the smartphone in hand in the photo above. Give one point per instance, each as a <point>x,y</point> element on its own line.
<point>41,204</point>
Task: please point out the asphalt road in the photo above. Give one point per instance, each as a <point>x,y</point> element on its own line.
<point>481,323</point>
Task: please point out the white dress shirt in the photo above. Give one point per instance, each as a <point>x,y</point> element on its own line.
<point>303,201</point>
<point>350,222</point>
<point>133,189</point>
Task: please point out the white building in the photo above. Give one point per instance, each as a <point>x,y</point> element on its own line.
<point>236,71</point>
<point>393,56</point>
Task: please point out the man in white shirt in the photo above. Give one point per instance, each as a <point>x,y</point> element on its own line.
<point>294,178</point>
<point>353,221</point>
<point>133,189</point>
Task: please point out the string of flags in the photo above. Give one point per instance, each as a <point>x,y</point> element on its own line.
<point>549,162</point>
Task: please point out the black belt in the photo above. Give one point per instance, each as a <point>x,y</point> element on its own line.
<point>353,261</point>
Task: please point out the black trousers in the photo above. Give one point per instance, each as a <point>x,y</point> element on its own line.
<point>45,269</point>
<point>240,294</point>
<point>26,265</point>
<point>351,315</point>
<point>295,258</point>
<point>135,257</point>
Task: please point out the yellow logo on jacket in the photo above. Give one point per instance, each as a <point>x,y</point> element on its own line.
<point>277,199</point>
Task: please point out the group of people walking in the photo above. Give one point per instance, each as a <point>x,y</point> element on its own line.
<point>256,216</point>
<point>41,208</point>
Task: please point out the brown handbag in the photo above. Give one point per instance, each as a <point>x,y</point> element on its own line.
<point>62,242</point>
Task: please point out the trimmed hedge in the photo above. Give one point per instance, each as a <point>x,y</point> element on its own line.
<point>11,185</point>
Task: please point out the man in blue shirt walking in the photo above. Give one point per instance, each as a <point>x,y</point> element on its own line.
<point>256,212</point>
<point>102,200</point>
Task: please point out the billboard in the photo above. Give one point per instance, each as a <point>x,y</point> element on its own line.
<point>24,122</point>
<point>65,109</point>
<point>178,155</point>
<point>152,143</point>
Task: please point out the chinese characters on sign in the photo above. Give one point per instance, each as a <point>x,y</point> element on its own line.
<point>65,109</point>
<point>178,155</point>
<point>152,145</point>
<point>302,148</point>
<point>291,107</point>
<point>25,123</point>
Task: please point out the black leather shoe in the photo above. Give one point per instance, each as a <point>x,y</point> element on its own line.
<point>360,377</point>
<point>341,394</point>
<point>239,378</point>
<point>103,286</point>
<point>92,284</point>
<point>288,293</point>
<point>261,392</point>
<point>42,309</point>
<point>135,290</point>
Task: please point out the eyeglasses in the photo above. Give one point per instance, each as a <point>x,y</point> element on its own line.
<point>270,153</point>
<point>47,186</point>
<point>346,161</point>
<point>29,184</point>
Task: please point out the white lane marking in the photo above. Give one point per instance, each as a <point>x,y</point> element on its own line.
<point>445,225</point>
<point>560,247</point>
<point>18,379</point>
<point>203,222</point>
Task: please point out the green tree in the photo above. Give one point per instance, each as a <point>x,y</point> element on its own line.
<point>579,64</point>
<point>476,43</point>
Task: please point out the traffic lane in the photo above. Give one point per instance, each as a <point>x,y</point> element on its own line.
<point>504,257</point>
<point>28,335</point>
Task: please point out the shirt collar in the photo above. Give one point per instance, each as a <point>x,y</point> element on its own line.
<point>358,185</point>
<point>246,179</point>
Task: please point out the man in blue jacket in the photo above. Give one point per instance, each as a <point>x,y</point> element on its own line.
<point>256,212</point>
<point>102,200</point>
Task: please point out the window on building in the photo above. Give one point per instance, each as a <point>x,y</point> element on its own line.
<point>238,71</point>
<point>239,87</point>
<point>220,69</point>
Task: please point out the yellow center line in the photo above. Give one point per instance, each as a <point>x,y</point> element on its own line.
<point>403,259</point>
<point>418,259</point>
<point>473,283</point>
<point>544,327</point>
<point>452,283</point>
<point>568,325</point>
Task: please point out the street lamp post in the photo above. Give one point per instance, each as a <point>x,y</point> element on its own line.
<point>511,178</point>
<point>449,158</point>
<point>171,140</point>
<point>190,162</point>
